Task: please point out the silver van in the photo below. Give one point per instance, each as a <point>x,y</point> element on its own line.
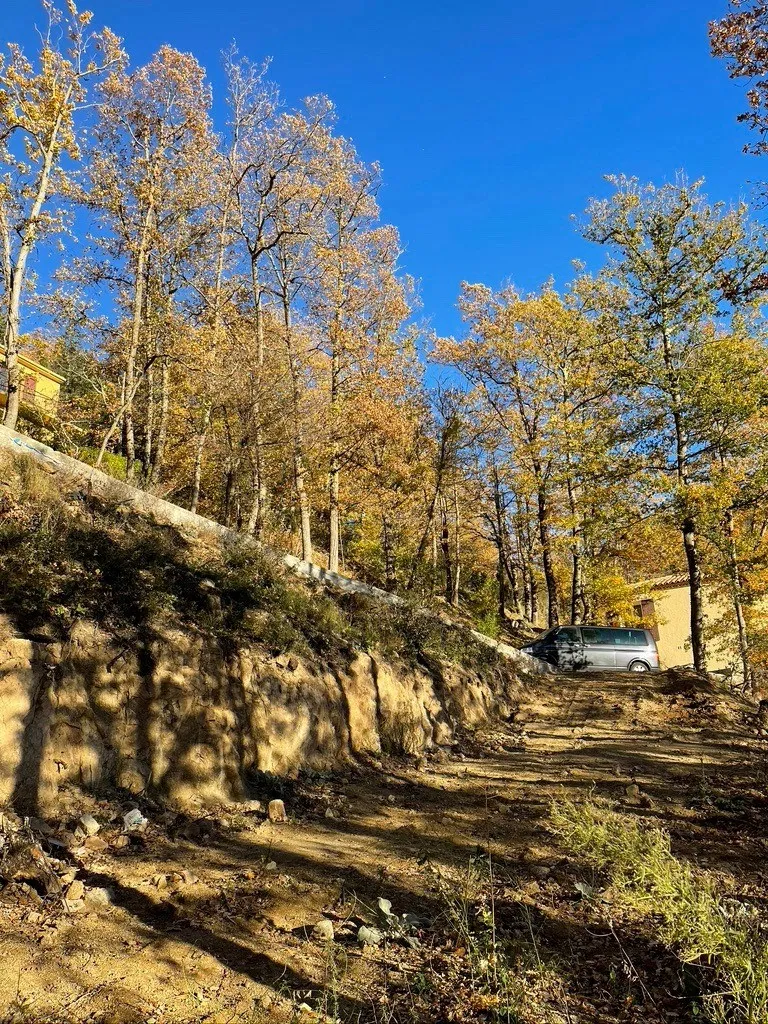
<point>596,648</point>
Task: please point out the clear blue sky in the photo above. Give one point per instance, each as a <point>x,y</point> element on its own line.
<point>493,122</point>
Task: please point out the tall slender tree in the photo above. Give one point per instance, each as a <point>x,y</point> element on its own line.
<point>40,105</point>
<point>675,263</point>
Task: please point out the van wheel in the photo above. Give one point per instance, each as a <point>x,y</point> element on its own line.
<point>638,666</point>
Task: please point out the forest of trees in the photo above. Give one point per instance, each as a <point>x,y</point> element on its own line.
<point>236,334</point>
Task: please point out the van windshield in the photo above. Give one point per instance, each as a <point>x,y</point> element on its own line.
<point>560,635</point>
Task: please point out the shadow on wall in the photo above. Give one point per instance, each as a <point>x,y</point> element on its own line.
<point>173,714</point>
<point>149,663</point>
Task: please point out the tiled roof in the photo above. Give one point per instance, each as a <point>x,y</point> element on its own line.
<point>668,582</point>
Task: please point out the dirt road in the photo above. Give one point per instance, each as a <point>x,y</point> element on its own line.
<point>211,918</point>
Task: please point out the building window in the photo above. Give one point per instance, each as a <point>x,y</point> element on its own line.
<point>646,610</point>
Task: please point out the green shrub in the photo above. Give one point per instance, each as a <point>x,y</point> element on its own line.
<point>112,464</point>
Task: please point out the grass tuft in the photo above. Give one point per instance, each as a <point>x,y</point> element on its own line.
<point>688,911</point>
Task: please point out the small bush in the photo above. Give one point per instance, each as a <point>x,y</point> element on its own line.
<point>112,464</point>
<point>693,918</point>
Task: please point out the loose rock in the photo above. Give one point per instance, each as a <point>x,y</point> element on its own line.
<point>95,844</point>
<point>76,890</point>
<point>277,811</point>
<point>101,897</point>
<point>134,819</point>
<point>89,825</point>
<point>323,931</point>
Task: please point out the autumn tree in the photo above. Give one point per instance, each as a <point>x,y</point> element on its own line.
<point>533,364</point>
<point>40,105</point>
<point>345,247</point>
<point>275,197</point>
<point>730,392</point>
<point>148,179</point>
<point>675,263</point>
<point>740,38</point>
<point>388,465</point>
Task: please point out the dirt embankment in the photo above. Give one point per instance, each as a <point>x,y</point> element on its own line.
<point>166,661</point>
<point>182,719</point>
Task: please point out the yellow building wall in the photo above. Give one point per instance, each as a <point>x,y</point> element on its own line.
<point>673,616</point>
<point>47,383</point>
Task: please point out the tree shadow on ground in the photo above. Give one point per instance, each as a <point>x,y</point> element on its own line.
<point>235,956</point>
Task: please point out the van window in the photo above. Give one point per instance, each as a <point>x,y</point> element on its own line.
<point>631,638</point>
<point>593,635</point>
<point>567,635</point>
<point>614,637</point>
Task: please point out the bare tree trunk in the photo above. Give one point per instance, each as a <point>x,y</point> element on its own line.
<point>429,528</point>
<point>305,509</point>
<point>501,582</point>
<point>514,586</point>
<point>150,424</point>
<point>139,285</point>
<point>257,514</point>
<point>577,558</point>
<point>696,592</point>
<point>553,597</point>
<point>577,586</point>
<point>15,271</point>
<point>445,546</point>
<point>197,473</point>
<point>229,485</point>
<point>688,527</point>
<point>335,467</point>
<point>388,547</point>
<point>205,419</point>
<point>255,521</point>
<point>501,566</point>
<point>162,430</point>
<point>507,571</point>
<point>128,397</point>
<point>530,614</point>
<point>333,513</point>
<point>297,436</point>
<point>457,546</point>
<point>534,586</point>
<point>738,605</point>
<point>525,551</point>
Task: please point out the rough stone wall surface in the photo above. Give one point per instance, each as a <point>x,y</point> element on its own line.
<point>183,720</point>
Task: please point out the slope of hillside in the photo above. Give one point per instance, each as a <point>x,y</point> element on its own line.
<point>159,692</point>
<point>156,658</point>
